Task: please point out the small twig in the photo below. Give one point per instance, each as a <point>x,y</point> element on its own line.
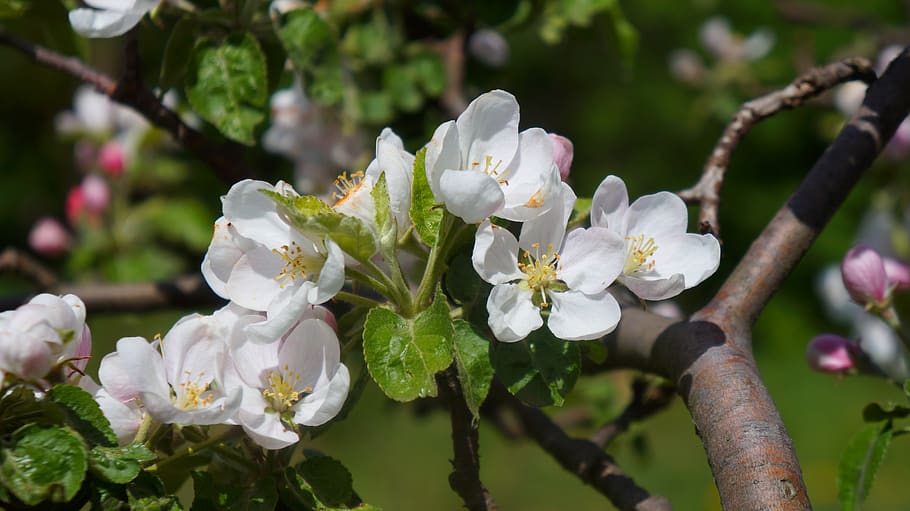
<point>465,476</point>
<point>189,291</point>
<point>582,458</point>
<point>452,52</point>
<point>16,261</point>
<point>808,85</point>
<point>225,159</point>
<point>646,401</point>
<point>817,14</point>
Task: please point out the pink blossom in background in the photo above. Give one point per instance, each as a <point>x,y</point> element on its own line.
<point>112,158</point>
<point>829,353</point>
<point>75,205</point>
<point>96,194</point>
<point>864,275</point>
<point>49,238</point>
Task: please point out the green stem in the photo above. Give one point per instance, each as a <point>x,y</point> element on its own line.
<point>356,299</point>
<point>189,450</point>
<point>397,288</point>
<point>435,263</point>
<point>144,427</point>
<point>370,280</point>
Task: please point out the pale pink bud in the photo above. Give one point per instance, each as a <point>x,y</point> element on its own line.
<point>320,312</point>
<point>898,273</point>
<point>829,353</point>
<point>83,349</point>
<point>95,193</point>
<point>864,275</point>
<point>112,158</point>
<point>49,238</point>
<point>489,47</point>
<point>563,151</point>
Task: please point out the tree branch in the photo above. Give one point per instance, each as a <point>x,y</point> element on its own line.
<point>808,85</point>
<point>18,262</point>
<point>647,400</point>
<point>226,159</point>
<point>581,457</point>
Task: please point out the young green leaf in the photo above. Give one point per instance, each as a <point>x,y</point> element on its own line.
<point>177,52</point>
<point>43,463</point>
<point>329,480</point>
<point>859,464</point>
<point>385,222</point>
<point>874,412</point>
<point>19,407</point>
<point>226,85</point>
<point>403,355</point>
<point>539,370</point>
<point>84,414</point>
<point>119,465</point>
<point>472,359</point>
<point>312,46</point>
<point>425,214</point>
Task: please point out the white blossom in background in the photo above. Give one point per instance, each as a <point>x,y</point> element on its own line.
<point>109,18</point>
<point>661,258</point>
<point>547,269</point>
<point>480,165</point>
<point>181,379</point>
<point>260,262</point>
<point>297,380</point>
<point>719,39</point>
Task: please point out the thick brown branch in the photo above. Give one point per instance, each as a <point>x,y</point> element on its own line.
<point>225,159</point>
<point>810,84</point>
<point>465,476</point>
<point>189,291</point>
<point>647,400</point>
<point>582,458</point>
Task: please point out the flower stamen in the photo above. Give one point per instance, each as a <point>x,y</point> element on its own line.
<point>281,392</point>
<point>294,264</point>
<point>195,394</point>
<point>346,184</point>
<point>640,250</point>
<point>541,270</point>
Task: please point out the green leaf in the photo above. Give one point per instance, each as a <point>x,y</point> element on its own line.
<point>179,220</point>
<point>580,212</point>
<point>227,85</point>
<point>385,222</point>
<point>541,370</point>
<point>330,481</point>
<point>294,491</point>
<point>214,494</point>
<point>472,359</point>
<point>425,213</point>
<point>19,407</point>
<point>626,35</point>
<point>147,493</point>
<point>404,355</point>
<point>859,464</point>
<point>13,8</point>
<point>906,388</point>
<point>312,46</point>
<point>43,463</point>
<point>119,465</point>
<point>874,412</point>
<point>400,83</point>
<point>311,216</point>
<point>429,72</point>
<point>84,414</point>
<point>178,52</point>
<point>374,107</point>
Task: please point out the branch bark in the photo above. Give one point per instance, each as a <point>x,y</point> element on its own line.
<point>226,159</point>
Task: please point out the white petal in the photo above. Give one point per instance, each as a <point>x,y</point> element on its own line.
<point>252,283</point>
<point>267,430</point>
<point>95,23</point>
<point>609,206</point>
<point>495,255</point>
<point>443,152</point>
<point>123,5</point>
<point>489,128</point>
<point>471,196</point>
<point>512,315</point>
<point>591,259</point>
<point>326,401</point>
<point>695,256</point>
<point>549,227</point>
<point>221,256</point>
<point>125,418</point>
<point>282,317</point>
<point>398,166</point>
<point>654,289</point>
<point>331,276</point>
<point>116,379</point>
<point>310,350</point>
<point>255,215</point>
<point>576,316</point>
<point>657,215</point>
<point>144,365</point>
<point>532,182</point>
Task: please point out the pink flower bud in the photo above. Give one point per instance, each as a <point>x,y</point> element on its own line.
<point>898,273</point>
<point>49,238</point>
<point>489,47</point>
<point>563,151</point>
<point>95,193</point>
<point>829,353</point>
<point>864,275</point>
<point>75,205</point>
<point>112,158</point>
<point>320,312</point>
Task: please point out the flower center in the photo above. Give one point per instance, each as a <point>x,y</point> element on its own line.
<point>195,394</point>
<point>490,169</point>
<point>294,263</point>
<point>346,184</point>
<point>281,392</point>
<point>541,272</point>
<point>640,250</point>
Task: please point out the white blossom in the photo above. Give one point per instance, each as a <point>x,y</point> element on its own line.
<point>109,18</point>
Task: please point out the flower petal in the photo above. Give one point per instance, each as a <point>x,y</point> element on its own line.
<point>489,128</point>
<point>549,227</point>
<point>591,259</point>
<point>471,196</point>
<point>495,255</point>
<point>255,215</point>
<point>512,315</point>
<point>695,256</point>
<point>576,316</point>
<point>326,401</point>
<point>443,152</point>
<point>102,23</point>
<point>655,289</point>
<point>657,215</point>
<point>610,204</point>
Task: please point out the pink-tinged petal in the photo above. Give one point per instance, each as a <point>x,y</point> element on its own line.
<point>591,259</point>
<point>489,128</point>
<point>325,402</point>
<point>549,228</point>
<point>495,255</point>
<point>512,316</point>
<point>864,275</point>
<point>610,204</point>
<point>471,196</point>
<point>694,256</point>
<point>576,316</point>
<point>443,152</point>
<point>144,366</point>
<point>657,215</point>
<point>116,379</point>
<point>563,152</point>
<point>255,215</point>
<point>898,273</point>
<point>125,418</point>
<point>656,289</point>
<point>829,353</point>
<point>253,360</point>
<point>323,314</point>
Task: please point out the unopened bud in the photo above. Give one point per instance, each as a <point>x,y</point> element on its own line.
<point>563,152</point>
<point>829,353</point>
<point>49,238</point>
<point>112,159</point>
<point>864,276</point>
<point>95,193</point>
<point>489,47</point>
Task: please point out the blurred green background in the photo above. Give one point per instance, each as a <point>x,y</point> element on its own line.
<point>625,115</point>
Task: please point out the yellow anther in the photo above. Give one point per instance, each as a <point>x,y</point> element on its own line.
<point>294,263</point>
<point>637,258</point>
<point>540,270</point>
<point>195,394</point>
<point>280,392</point>
<point>346,184</point>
